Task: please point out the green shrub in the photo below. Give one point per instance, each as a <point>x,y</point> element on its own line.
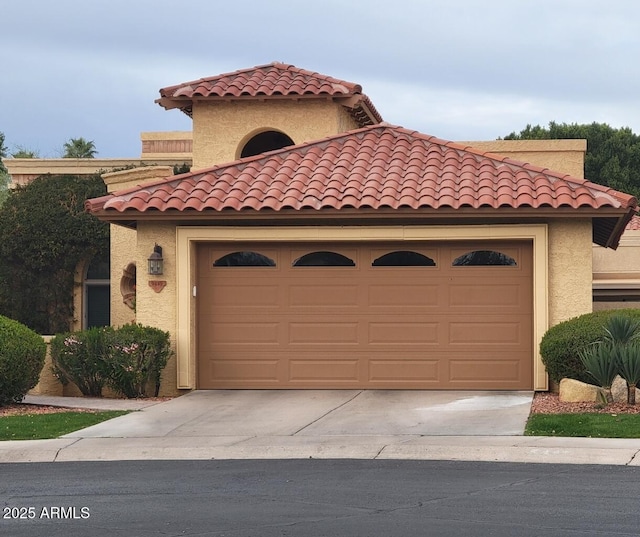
<point>129,359</point>
<point>22,353</point>
<point>137,356</point>
<point>561,345</point>
<point>81,357</point>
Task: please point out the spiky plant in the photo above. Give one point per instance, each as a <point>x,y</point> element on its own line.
<point>629,367</point>
<point>621,328</point>
<point>601,362</point>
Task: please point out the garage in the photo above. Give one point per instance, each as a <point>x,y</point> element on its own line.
<point>409,315</point>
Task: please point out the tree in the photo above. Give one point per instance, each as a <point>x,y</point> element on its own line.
<point>22,152</point>
<point>4,175</point>
<point>44,234</point>
<point>79,148</point>
<point>3,148</point>
<point>613,155</point>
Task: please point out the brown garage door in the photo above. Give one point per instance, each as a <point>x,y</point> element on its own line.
<point>409,316</point>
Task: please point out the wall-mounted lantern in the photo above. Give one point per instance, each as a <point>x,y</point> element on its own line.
<point>155,261</point>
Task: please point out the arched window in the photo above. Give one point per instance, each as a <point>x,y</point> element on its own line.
<point>484,258</point>
<point>404,258</point>
<point>244,259</point>
<point>265,141</point>
<point>324,259</point>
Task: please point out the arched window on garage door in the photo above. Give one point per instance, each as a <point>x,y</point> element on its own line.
<point>483,258</point>
<point>324,259</point>
<point>244,259</point>
<point>403,258</point>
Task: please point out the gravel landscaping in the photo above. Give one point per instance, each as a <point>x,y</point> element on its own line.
<point>549,403</point>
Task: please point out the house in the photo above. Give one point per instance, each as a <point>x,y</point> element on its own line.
<point>616,273</point>
<point>315,246</point>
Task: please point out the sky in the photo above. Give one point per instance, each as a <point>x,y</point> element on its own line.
<point>459,70</point>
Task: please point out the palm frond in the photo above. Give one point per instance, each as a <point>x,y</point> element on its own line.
<point>621,328</point>
<point>601,362</point>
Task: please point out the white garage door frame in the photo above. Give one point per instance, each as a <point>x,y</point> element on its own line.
<point>188,237</point>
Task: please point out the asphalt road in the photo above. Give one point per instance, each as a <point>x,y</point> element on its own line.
<point>317,498</point>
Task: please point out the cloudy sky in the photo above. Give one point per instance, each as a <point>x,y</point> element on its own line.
<point>460,70</point>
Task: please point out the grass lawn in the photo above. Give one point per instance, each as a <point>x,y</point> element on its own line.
<point>41,426</point>
<point>590,425</point>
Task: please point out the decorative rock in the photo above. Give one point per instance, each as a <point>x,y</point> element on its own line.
<point>619,391</point>
<point>574,391</point>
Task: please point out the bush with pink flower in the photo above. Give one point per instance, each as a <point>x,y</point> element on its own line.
<point>129,359</point>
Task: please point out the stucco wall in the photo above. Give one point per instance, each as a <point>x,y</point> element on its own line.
<point>221,129</point>
<point>158,308</point>
<point>621,263</point>
<point>565,156</point>
<point>616,274</point>
<point>122,255</point>
<point>570,269</point>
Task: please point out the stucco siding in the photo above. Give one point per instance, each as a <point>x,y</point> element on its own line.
<point>122,257</point>
<point>565,156</point>
<point>570,269</point>
<point>221,129</point>
<point>158,308</point>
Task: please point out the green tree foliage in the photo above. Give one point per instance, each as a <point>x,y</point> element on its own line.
<point>44,234</point>
<point>3,149</point>
<point>79,148</point>
<point>4,175</point>
<point>613,155</point>
<point>23,152</point>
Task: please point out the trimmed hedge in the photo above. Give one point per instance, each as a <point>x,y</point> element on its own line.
<point>561,344</point>
<point>22,354</point>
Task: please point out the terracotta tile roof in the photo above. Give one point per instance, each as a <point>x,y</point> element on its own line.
<point>376,167</point>
<point>271,80</point>
<point>634,223</point>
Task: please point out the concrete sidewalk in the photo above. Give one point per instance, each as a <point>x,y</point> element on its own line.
<point>331,424</point>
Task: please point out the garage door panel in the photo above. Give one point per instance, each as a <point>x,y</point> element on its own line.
<point>245,370</point>
<point>403,333</point>
<point>404,370</point>
<point>243,297</point>
<point>487,369</point>
<point>315,296</point>
<point>486,333</point>
<point>323,371</point>
<point>323,333</point>
<point>475,295</point>
<point>245,333</point>
<point>403,295</point>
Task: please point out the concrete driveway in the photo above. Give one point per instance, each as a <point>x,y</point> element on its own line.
<point>321,413</point>
<point>332,424</point>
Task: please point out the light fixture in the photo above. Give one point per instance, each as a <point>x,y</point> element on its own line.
<point>155,261</point>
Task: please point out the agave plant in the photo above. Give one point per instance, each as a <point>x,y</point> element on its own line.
<point>629,367</point>
<point>601,362</point>
<point>622,329</point>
